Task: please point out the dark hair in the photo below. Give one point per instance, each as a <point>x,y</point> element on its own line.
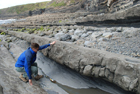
<point>34,45</point>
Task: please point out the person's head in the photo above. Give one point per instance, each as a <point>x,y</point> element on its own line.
<point>35,47</point>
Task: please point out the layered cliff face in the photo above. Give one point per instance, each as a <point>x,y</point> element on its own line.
<point>71,6</point>
<point>98,6</point>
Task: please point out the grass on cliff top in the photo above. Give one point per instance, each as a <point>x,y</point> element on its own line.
<point>23,8</point>
<point>55,4</point>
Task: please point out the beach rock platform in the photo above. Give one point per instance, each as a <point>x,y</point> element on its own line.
<point>115,68</point>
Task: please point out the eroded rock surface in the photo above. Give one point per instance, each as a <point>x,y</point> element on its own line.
<point>115,68</point>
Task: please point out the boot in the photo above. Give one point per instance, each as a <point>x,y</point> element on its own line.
<point>38,77</point>
<point>23,79</point>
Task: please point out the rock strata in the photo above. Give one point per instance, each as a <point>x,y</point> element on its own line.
<point>118,69</point>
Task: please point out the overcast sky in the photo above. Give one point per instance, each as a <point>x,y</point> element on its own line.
<point>9,3</point>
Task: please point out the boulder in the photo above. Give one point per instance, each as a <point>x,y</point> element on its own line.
<point>95,35</point>
<point>107,35</point>
<point>65,37</point>
<point>88,44</point>
<point>78,32</point>
<point>59,35</point>
<point>74,38</point>
<point>71,32</point>
<point>84,35</point>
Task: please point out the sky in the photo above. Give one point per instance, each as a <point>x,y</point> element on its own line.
<point>9,3</point>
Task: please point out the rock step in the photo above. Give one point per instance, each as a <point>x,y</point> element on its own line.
<point>119,17</point>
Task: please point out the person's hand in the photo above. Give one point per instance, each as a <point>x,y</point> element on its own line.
<point>30,82</point>
<point>52,43</point>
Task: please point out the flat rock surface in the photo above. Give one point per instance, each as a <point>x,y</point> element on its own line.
<point>9,80</point>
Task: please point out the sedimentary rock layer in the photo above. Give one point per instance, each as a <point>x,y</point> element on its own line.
<point>118,69</point>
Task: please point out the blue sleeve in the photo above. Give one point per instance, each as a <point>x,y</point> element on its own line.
<point>27,64</point>
<point>43,46</point>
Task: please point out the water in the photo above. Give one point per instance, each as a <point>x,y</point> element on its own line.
<point>10,21</point>
<point>7,21</point>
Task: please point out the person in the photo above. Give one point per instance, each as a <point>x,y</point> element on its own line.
<point>26,63</point>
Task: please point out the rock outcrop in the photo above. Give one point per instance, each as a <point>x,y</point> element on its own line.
<point>9,81</point>
<point>118,69</point>
<point>127,16</point>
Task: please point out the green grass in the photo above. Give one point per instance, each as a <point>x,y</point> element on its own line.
<point>54,4</point>
<point>23,8</point>
<point>72,1</point>
<point>40,29</point>
<point>60,21</point>
<point>2,33</point>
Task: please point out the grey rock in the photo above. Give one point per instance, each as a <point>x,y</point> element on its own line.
<point>84,35</point>
<point>50,36</point>
<point>88,43</point>
<point>103,39</point>
<point>74,38</point>
<point>65,30</point>
<point>59,35</point>
<point>87,70</point>
<point>65,37</point>
<point>133,84</point>
<point>116,68</point>
<point>89,33</point>
<point>119,29</point>
<point>72,30</point>
<point>78,32</point>
<point>42,34</point>
<point>107,34</point>
<point>1,90</point>
<point>102,72</point>
<point>95,71</point>
<point>126,81</point>
<point>95,35</point>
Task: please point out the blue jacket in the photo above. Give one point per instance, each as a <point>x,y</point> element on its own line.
<point>27,58</point>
